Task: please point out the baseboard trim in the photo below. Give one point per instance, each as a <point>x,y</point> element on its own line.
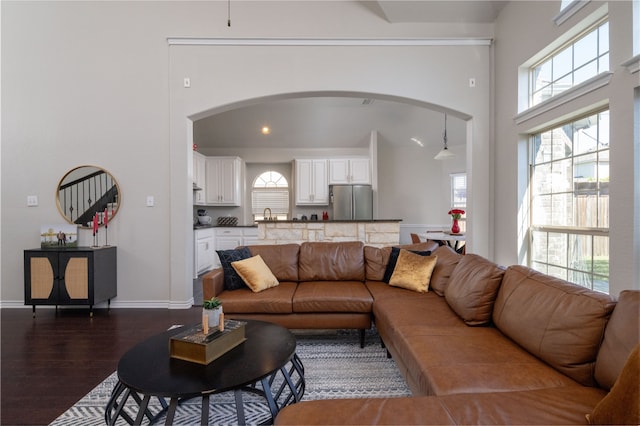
<point>138,304</point>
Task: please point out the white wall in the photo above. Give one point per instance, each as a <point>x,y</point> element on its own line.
<point>97,83</point>
<point>518,40</point>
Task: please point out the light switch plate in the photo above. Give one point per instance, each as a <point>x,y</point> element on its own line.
<point>32,200</point>
<point>150,201</point>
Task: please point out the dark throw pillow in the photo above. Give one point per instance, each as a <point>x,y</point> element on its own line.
<point>232,280</point>
<point>393,259</point>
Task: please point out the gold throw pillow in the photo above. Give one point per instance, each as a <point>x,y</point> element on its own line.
<point>255,273</point>
<point>413,271</point>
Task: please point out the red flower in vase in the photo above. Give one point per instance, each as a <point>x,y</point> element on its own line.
<point>456,213</point>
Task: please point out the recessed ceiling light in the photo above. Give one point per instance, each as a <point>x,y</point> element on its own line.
<point>418,142</point>
<point>265,130</point>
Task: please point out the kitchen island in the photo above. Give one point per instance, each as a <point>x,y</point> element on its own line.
<point>376,232</point>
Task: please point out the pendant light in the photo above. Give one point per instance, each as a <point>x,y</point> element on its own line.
<point>444,153</point>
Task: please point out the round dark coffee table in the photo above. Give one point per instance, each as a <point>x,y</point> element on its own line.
<point>265,364</point>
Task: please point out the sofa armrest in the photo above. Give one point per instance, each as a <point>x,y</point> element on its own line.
<point>212,283</point>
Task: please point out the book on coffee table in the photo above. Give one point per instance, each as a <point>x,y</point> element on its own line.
<point>195,346</point>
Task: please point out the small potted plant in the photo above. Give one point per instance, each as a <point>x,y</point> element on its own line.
<point>213,310</point>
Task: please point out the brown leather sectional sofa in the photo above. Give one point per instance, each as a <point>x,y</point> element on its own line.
<point>485,345</point>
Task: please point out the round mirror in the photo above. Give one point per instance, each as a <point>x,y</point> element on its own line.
<point>85,191</point>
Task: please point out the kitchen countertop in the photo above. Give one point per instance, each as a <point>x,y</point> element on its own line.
<point>331,221</point>
<point>217,226</point>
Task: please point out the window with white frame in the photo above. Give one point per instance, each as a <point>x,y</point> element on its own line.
<point>583,58</point>
<point>270,196</point>
<point>459,196</point>
<point>569,187</point>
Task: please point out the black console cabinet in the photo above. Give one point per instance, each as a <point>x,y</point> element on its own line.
<point>70,276</point>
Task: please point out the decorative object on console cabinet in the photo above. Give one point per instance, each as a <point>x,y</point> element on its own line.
<point>58,235</point>
<point>86,190</point>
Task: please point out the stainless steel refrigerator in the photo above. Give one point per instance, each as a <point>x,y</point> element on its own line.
<point>352,202</point>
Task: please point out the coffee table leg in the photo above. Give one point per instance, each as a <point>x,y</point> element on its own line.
<point>239,407</point>
<point>143,409</point>
<point>172,411</point>
<point>266,387</point>
<point>204,418</point>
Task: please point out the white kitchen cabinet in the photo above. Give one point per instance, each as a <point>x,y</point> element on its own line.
<point>224,181</point>
<point>249,236</point>
<point>312,186</point>
<point>205,256</point>
<point>228,238</point>
<point>349,171</point>
<point>199,178</point>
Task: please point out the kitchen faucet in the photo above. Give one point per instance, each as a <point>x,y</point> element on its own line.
<point>264,214</point>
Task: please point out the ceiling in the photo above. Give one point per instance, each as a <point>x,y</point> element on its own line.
<point>327,121</point>
<point>346,122</point>
<point>447,11</point>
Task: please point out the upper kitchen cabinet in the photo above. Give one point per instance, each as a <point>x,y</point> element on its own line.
<point>224,181</point>
<point>349,171</point>
<point>199,178</point>
<point>312,187</point>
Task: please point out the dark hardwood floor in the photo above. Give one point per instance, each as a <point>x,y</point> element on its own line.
<point>49,362</point>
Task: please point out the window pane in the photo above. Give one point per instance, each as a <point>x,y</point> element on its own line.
<point>603,207</point>
<point>541,148</point>
<point>585,138</point>
<point>562,210</point>
<point>541,210</point>
<point>562,142</point>
<point>539,247</point>
<point>603,63</point>
<point>574,64</point>
<point>601,283</point>
<point>603,129</point>
<point>557,249</point>
<point>557,272</point>
<point>541,179</point>
<point>581,278</point>
<point>562,175</point>
<point>542,75</point>
<point>585,72</point>
<point>542,267</point>
<point>572,190</point>
<point>562,84</point>
<point>584,51</point>
<point>580,253</point>
<point>603,38</point>
<point>562,63</point>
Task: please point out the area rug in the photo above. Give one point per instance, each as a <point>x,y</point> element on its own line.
<point>335,367</point>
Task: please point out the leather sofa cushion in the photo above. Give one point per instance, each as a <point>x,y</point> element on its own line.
<point>367,411</point>
<point>282,259</point>
<point>553,406</point>
<point>331,296</point>
<point>447,261</point>
<point>473,287</point>
<point>451,360</point>
<point>343,261</point>
<point>275,300</point>
<point>556,321</point>
<point>375,262</point>
<point>620,337</point>
<point>557,406</point>
<point>415,309</point>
